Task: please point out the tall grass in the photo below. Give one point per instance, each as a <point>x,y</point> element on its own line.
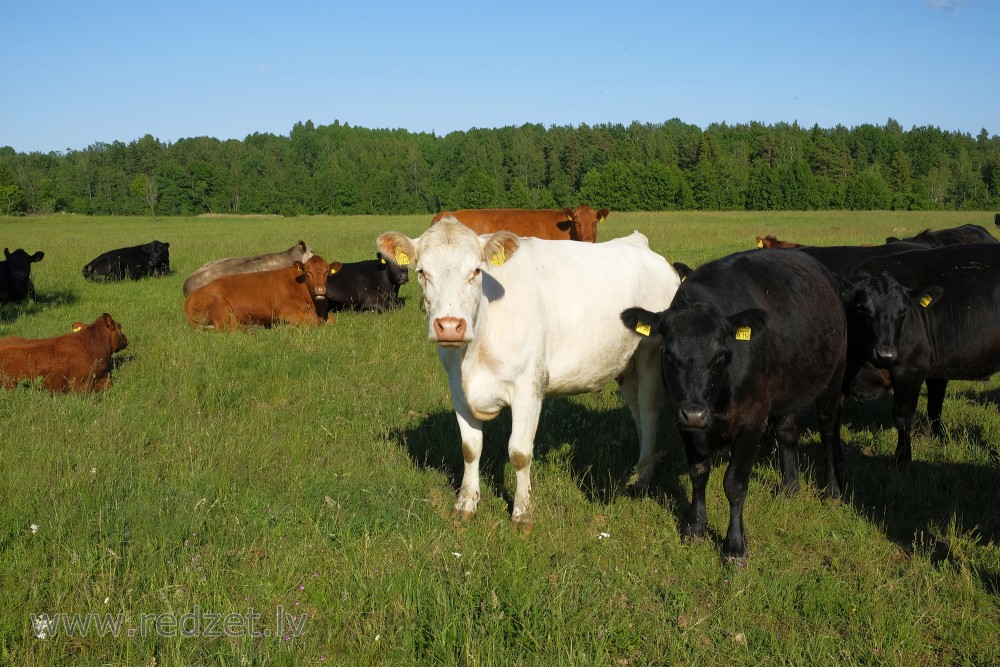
<point>314,470</point>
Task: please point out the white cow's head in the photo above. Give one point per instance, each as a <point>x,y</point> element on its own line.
<point>449,259</point>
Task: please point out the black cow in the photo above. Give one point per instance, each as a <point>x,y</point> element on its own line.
<point>15,275</point>
<point>369,285</point>
<point>748,337</point>
<point>929,316</point>
<point>996,219</point>
<point>949,236</point>
<point>843,259</point>
<point>134,262</point>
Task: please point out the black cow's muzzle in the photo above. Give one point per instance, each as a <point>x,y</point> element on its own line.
<point>884,356</point>
<point>691,416</point>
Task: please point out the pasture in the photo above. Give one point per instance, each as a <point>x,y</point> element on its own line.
<point>312,472</point>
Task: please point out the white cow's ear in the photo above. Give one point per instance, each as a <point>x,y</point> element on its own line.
<point>397,247</point>
<point>500,247</point>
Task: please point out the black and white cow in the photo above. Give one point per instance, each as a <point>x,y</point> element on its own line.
<point>929,316</point>
<point>149,259</point>
<point>368,285</point>
<point>748,337</point>
<point>15,275</point>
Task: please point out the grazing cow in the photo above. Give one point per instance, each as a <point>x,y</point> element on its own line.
<point>77,362</point>
<point>209,271</point>
<point>929,316</point>
<point>950,236</point>
<point>15,275</point>
<point>517,319</point>
<point>771,242</point>
<point>263,298</point>
<point>134,262</point>
<point>576,225</point>
<point>749,337</point>
<point>369,285</point>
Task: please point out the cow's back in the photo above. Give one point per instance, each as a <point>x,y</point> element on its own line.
<point>249,298</point>
<point>569,296</point>
<point>541,224</point>
<point>843,260</point>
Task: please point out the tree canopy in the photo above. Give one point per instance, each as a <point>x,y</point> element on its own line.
<point>339,169</point>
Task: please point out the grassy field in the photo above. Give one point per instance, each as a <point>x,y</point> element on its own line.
<point>311,472</point>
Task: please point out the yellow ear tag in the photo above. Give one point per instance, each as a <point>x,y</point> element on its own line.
<point>925,300</point>
<point>77,329</point>
<point>402,258</point>
<point>743,333</point>
<point>760,244</point>
<point>381,259</point>
<point>642,328</point>
<point>499,258</point>
<point>600,219</point>
<point>333,270</point>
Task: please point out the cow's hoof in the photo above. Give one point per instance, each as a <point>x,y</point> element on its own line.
<point>791,489</point>
<point>523,525</point>
<point>462,515</point>
<point>637,490</point>
<point>735,559</point>
<point>693,534</point>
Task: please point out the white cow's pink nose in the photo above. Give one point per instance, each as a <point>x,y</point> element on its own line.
<point>449,329</point>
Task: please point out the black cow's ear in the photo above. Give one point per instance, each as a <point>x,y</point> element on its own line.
<point>641,321</point>
<point>927,296</point>
<point>37,257</point>
<point>748,323</point>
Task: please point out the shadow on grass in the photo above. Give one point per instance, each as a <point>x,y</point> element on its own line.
<point>600,448</point>
<point>10,312</point>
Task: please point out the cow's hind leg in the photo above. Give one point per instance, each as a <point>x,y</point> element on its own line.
<point>935,402</point>
<point>525,411</point>
<point>786,432</point>
<point>829,408</point>
<point>641,387</point>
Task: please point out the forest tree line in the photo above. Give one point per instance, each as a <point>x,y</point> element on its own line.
<point>339,169</point>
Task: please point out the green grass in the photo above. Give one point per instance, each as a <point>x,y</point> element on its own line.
<point>315,469</point>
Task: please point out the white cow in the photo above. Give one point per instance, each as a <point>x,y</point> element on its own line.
<point>517,319</point>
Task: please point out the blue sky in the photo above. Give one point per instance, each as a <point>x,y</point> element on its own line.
<point>76,73</point>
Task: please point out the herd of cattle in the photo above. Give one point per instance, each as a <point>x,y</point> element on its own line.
<point>741,343</point>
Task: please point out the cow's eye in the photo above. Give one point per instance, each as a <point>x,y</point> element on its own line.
<point>474,275</point>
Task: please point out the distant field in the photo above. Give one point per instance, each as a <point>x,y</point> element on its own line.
<point>312,472</point>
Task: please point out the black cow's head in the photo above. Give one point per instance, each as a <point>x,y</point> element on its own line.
<point>881,306</point>
<point>398,275</point>
<point>16,274</point>
<point>698,346</point>
<point>159,256</point>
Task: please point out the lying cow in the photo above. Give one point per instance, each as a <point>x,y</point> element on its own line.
<point>749,337</point>
<point>950,236</point>
<point>15,275</point>
<point>369,285</point>
<point>575,225</point>
<point>517,319</point>
<point>77,362</point>
<point>772,242</point>
<point>929,316</point>
<point>134,262</point>
<point>209,271</point>
<point>263,298</point>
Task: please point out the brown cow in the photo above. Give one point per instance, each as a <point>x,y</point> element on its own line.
<point>77,362</point>
<point>262,298</point>
<point>578,225</point>
<point>771,242</point>
<point>209,271</point>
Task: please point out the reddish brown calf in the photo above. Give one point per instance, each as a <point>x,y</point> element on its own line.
<point>77,362</point>
<point>264,298</point>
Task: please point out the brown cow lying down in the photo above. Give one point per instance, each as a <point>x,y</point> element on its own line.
<point>771,242</point>
<point>209,271</point>
<point>78,361</point>
<point>263,298</point>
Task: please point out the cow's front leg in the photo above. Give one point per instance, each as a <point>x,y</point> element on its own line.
<point>905,390</point>
<point>471,430</point>
<point>524,412</point>
<point>699,467</point>
<point>735,484</point>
